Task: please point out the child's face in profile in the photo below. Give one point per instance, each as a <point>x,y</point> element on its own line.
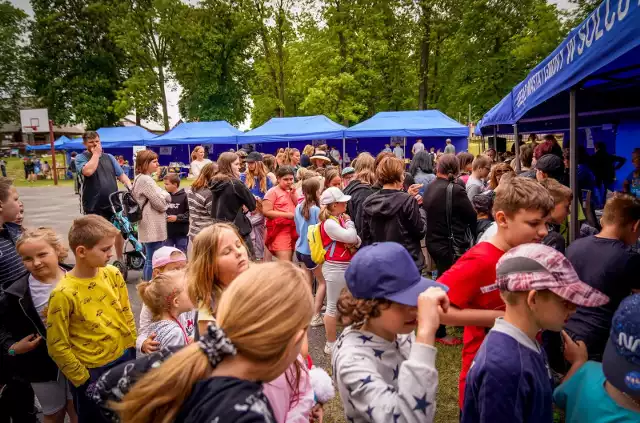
<point>560,212</point>
<point>20,216</point>
<point>550,311</point>
<point>182,301</point>
<point>100,254</point>
<point>170,186</point>
<point>10,208</point>
<point>525,226</point>
<point>397,319</point>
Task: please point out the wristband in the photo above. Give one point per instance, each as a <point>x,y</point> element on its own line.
<point>12,352</point>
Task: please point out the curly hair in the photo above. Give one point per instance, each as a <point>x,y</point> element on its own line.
<point>356,311</point>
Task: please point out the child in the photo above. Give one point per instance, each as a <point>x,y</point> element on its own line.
<point>23,313</point>
<point>308,213</point>
<point>20,217</point>
<point>509,379</point>
<point>481,166</point>
<point>177,214</point>
<point>167,298</point>
<point>262,320</point>
<point>165,259</point>
<point>11,267</point>
<point>339,237</point>
<point>383,370</point>
<point>520,210</point>
<point>348,173</point>
<point>562,197</point>
<point>90,326</point>
<point>482,205</point>
<point>609,391</point>
<point>278,207</point>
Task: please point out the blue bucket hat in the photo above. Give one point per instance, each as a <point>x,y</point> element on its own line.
<point>387,270</point>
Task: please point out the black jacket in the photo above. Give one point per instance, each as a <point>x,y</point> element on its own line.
<point>18,319</point>
<point>229,195</point>
<point>392,215</point>
<point>435,204</point>
<point>358,192</point>
<point>179,207</point>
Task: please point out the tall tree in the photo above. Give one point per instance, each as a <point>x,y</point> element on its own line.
<point>75,68</point>
<point>12,61</point>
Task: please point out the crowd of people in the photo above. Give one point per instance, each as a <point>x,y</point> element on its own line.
<point>396,256</point>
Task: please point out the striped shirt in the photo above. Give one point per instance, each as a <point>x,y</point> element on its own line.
<point>200,203</point>
<point>11,267</point>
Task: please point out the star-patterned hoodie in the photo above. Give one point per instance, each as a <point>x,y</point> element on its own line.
<point>382,381</point>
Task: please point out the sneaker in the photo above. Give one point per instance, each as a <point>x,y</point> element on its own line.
<point>317,321</point>
<point>328,347</point>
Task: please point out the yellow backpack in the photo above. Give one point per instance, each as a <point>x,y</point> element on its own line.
<point>318,250</point>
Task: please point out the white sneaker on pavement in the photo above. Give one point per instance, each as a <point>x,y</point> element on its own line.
<point>317,321</point>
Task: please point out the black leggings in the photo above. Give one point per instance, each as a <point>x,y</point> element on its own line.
<point>443,263</point>
<point>17,403</point>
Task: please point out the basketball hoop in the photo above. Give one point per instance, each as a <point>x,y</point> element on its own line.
<point>29,129</point>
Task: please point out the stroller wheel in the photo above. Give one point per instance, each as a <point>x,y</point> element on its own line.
<point>122,267</point>
<point>135,260</point>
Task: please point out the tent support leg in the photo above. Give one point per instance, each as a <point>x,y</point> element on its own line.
<point>405,148</point>
<point>516,135</point>
<point>494,144</point>
<point>344,151</point>
<point>573,163</point>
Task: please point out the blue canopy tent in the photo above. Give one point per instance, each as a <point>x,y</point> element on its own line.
<point>219,133</point>
<point>57,144</point>
<point>116,137</point>
<point>592,76</point>
<point>432,126</point>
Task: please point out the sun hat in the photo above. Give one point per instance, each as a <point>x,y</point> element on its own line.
<point>333,195</point>
<point>348,171</point>
<point>621,359</point>
<point>539,267</point>
<point>321,155</point>
<point>162,257</point>
<point>253,157</point>
<point>386,270</point>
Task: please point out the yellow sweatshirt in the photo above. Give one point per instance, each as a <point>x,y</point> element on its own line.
<point>89,323</point>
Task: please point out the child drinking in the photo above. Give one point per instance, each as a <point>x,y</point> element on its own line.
<point>167,298</point>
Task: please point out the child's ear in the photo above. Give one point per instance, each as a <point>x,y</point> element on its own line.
<point>532,298</point>
<point>500,218</point>
<point>81,251</point>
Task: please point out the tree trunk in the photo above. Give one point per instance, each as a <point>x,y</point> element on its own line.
<point>433,92</point>
<point>342,43</point>
<point>163,95</point>
<point>423,72</point>
<point>280,52</point>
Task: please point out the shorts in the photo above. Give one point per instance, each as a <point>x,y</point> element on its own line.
<point>53,396</point>
<point>306,259</point>
<point>283,242</point>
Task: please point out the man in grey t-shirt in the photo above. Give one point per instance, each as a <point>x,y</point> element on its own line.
<point>450,148</point>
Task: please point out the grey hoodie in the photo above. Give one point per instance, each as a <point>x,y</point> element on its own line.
<point>385,382</point>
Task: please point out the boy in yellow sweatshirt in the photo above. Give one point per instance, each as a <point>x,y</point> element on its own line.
<point>90,326</point>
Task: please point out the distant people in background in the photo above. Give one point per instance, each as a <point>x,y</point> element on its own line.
<point>604,167</point>
<point>198,161</point>
<point>551,166</point>
<point>421,170</point>
<point>269,160</point>
<point>492,154</point>
<point>292,158</point>
<point>325,148</point>
<point>398,151</point>
<point>280,159</point>
<point>482,204</point>
<point>242,156</point>
<point>305,158</point>
<point>526,158</point>
<point>497,172</point>
<point>631,184</point>
<point>417,147</point>
<point>177,214</point>
<point>387,149</point>
<point>449,148</point>
<point>120,160</point>
<point>361,186</point>
<point>336,155</point>
<point>200,200</point>
<point>480,168</point>
<point>74,172</point>
<point>432,151</point>
<point>46,170</point>
<point>348,173</point>
<point>3,167</point>
<point>465,161</point>
<point>319,160</point>
<point>29,170</point>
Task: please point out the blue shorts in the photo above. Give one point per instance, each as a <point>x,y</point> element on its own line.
<point>306,259</point>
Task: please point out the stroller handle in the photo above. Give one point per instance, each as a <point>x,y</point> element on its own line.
<point>115,201</point>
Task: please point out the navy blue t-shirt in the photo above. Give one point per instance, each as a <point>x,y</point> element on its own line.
<point>509,380</point>
<point>612,268</point>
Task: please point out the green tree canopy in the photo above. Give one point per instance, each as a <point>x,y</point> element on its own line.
<point>12,61</point>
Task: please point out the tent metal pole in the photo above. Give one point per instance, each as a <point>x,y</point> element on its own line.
<point>516,135</point>
<point>404,153</point>
<point>573,164</point>
<point>189,152</point>
<point>344,150</point>
<point>288,145</point>
<point>494,144</point>
<point>482,145</point>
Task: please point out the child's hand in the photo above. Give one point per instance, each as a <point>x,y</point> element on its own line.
<point>430,303</point>
<point>317,414</point>
<point>150,345</point>
<point>172,218</point>
<point>574,352</point>
<point>26,344</point>
<point>414,189</point>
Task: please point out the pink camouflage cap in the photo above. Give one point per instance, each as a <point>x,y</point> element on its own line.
<point>538,267</point>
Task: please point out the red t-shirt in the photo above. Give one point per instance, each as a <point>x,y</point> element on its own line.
<point>471,283</point>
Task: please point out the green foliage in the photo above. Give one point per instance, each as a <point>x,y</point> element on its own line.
<point>12,60</point>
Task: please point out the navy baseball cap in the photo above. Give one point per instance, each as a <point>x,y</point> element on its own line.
<point>386,270</point>
<point>621,359</point>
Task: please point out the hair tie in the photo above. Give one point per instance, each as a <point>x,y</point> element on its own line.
<point>216,345</point>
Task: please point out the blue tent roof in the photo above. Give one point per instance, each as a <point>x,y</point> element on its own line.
<point>57,144</point>
<point>419,123</point>
<point>601,57</point>
<point>116,137</point>
<point>217,132</point>
<point>300,128</point>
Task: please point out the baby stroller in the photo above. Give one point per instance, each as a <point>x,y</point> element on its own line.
<point>133,250</point>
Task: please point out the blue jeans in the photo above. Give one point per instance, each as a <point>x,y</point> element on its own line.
<point>179,242</point>
<point>149,249</point>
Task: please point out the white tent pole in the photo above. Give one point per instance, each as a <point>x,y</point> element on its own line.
<point>344,149</point>
<point>404,154</point>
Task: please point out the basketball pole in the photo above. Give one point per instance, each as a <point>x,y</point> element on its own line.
<point>53,154</point>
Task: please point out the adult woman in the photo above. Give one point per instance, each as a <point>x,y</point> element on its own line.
<point>197,162</point>
<point>393,215</point>
<point>360,188</point>
<point>279,206</point>
<point>292,158</point>
<point>152,228</point>
<point>421,170</point>
<point>319,160</point>
<point>332,178</point>
<point>496,173</point>
<point>261,325</point>
<point>305,160</point>
<point>465,161</point>
<point>231,198</point>
<point>255,178</point>
<point>199,197</point>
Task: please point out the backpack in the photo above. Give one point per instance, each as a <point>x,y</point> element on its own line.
<point>130,207</point>
<point>316,246</point>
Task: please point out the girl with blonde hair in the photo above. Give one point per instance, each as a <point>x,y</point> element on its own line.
<point>262,320</point>
<point>307,152</point>
<point>218,256</point>
<point>198,162</point>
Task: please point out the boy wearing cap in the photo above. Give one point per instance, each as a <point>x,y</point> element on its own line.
<point>384,364</point>
<point>510,379</point>
<point>608,391</point>
<point>520,210</point>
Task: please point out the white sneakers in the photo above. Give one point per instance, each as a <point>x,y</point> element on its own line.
<point>328,347</point>
<point>317,321</point>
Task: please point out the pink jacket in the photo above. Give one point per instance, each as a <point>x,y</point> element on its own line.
<point>285,409</point>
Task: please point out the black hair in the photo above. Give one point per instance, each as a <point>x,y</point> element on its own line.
<point>421,161</point>
<point>284,171</point>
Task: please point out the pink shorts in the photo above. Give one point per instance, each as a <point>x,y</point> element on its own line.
<point>282,242</point>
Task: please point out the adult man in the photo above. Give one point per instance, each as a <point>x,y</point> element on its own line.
<point>398,151</point>
<point>604,166</point>
<point>417,147</point>
<point>450,148</point>
<point>98,172</point>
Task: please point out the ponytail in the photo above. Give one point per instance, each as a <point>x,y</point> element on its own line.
<point>325,213</point>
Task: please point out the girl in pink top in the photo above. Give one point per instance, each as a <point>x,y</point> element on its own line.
<point>279,206</point>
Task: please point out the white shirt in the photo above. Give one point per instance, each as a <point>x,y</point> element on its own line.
<point>40,293</point>
<point>196,167</point>
<point>399,152</point>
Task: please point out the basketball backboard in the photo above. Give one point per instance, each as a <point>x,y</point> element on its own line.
<point>34,120</point>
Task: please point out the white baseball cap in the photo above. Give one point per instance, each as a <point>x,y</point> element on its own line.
<point>166,255</point>
<point>333,195</point>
